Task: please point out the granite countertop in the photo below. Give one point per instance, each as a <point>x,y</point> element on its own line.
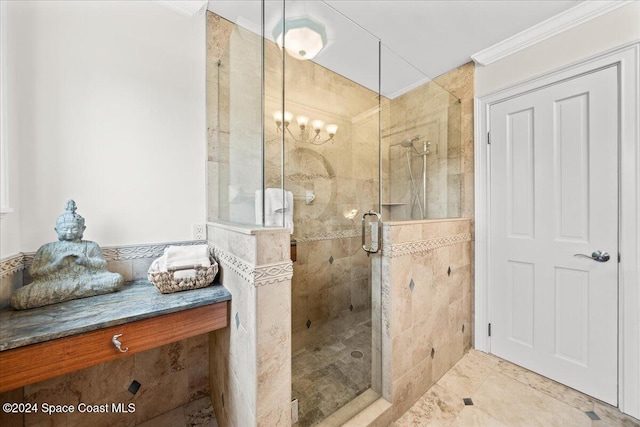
<point>138,300</point>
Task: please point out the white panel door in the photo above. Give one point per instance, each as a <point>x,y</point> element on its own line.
<point>554,193</point>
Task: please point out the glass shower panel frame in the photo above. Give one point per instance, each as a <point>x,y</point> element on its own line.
<point>273,104</point>
<point>235,93</point>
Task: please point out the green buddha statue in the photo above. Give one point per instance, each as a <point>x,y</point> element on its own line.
<point>68,269</point>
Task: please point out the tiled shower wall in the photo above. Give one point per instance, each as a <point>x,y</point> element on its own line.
<point>440,111</point>
<point>434,115</point>
<point>171,375</point>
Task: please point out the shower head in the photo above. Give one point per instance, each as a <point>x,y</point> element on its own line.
<point>407,143</point>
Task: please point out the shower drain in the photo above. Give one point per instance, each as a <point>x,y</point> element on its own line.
<point>357,354</point>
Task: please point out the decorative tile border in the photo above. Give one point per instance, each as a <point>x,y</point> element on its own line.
<point>409,248</point>
<point>122,253</point>
<point>11,265</point>
<point>257,276</point>
<point>273,273</point>
<point>240,267</point>
<point>330,235</point>
<point>23,260</point>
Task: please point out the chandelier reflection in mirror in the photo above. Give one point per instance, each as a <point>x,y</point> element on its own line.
<point>313,135</point>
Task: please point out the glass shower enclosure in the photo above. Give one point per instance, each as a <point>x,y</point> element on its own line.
<point>327,148</point>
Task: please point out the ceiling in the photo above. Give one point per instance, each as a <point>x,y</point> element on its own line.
<point>420,39</point>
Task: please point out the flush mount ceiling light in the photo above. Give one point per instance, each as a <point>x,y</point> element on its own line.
<point>303,37</point>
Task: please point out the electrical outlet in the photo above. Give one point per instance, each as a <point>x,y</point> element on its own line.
<point>294,411</point>
<point>199,232</point>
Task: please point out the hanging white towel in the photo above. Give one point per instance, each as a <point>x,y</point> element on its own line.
<point>277,209</point>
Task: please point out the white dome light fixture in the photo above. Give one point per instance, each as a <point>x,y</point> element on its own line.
<point>303,37</point>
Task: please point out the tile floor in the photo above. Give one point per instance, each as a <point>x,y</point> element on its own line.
<point>198,413</point>
<point>330,373</point>
<point>505,395</point>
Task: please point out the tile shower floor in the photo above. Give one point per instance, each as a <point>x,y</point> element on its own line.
<point>504,394</point>
<point>331,372</point>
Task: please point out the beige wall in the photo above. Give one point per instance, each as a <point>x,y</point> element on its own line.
<point>106,103</point>
<point>608,31</point>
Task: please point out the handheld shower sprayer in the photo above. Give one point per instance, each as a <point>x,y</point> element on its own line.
<point>409,143</point>
<point>415,197</point>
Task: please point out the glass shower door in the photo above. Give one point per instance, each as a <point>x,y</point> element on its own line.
<point>329,127</point>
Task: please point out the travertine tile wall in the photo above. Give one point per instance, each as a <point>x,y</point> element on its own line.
<point>440,111</point>
<point>459,82</point>
<point>250,368</point>
<point>426,304</point>
<point>171,376</point>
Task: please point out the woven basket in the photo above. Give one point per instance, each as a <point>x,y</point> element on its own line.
<point>165,282</point>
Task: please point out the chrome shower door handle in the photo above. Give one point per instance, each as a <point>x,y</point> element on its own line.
<point>375,240</point>
<point>596,256</point>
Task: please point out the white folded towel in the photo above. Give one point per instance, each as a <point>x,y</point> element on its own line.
<point>184,274</point>
<point>180,257</point>
<point>276,214</point>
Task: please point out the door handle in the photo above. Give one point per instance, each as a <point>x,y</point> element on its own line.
<point>596,256</point>
<point>375,240</point>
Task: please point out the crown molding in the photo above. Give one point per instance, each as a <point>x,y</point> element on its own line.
<point>407,88</point>
<point>583,12</point>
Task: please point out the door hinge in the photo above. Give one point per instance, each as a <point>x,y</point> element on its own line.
<point>489,138</point>
<point>618,257</point>
<point>489,329</point>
